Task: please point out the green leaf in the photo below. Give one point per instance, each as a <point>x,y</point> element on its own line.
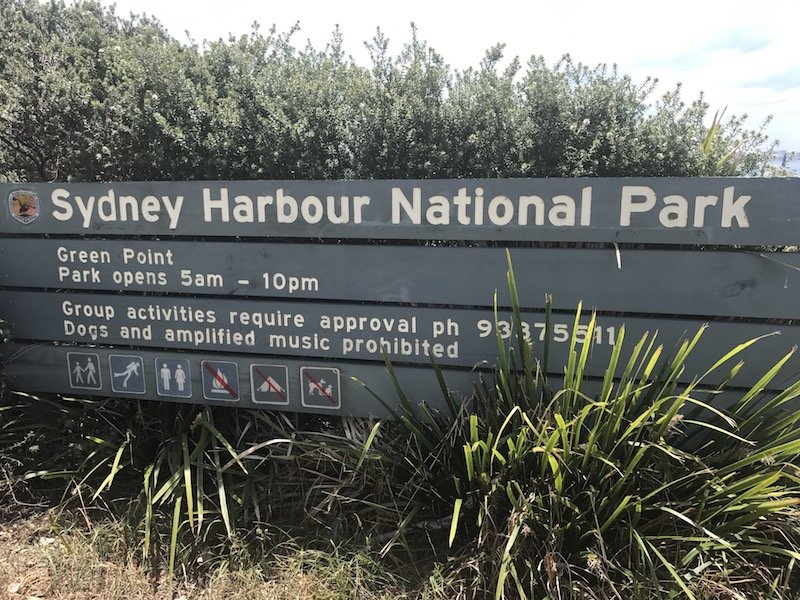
<point>454,521</point>
<point>505,563</point>
<point>173,540</point>
<point>672,571</point>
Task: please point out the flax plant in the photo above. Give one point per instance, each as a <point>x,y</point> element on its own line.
<point>635,486</point>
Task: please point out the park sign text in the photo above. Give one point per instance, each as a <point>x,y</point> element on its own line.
<point>282,293</point>
<point>406,205</point>
<point>502,209</point>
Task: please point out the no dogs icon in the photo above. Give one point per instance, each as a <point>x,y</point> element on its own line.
<point>320,387</point>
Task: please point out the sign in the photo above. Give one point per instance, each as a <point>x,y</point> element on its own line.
<point>459,337</point>
<point>127,373</point>
<point>623,210</point>
<point>269,384</point>
<point>321,388</point>
<point>84,371</point>
<point>173,377</point>
<point>286,294</point>
<point>41,368</point>
<point>744,283</point>
<point>220,380</point>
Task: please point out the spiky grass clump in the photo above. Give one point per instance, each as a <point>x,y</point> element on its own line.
<point>638,486</point>
<point>200,487</point>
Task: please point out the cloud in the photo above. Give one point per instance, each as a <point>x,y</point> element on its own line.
<point>780,81</point>
<point>725,45</point>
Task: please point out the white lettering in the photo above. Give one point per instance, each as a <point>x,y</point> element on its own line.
<point>173,210</point>
<point>438,212</point>
<point>628,206</point>
<point>412,209</point>
<point>495,215</point>
<point>109,203</point>
<point>700,205</point>
<point>150,209</point>
<point>563,212</point>
<point>586,206</point>
<point>287,208</point>
<point>676,213</point>
<point>734,209</point>
<point>85,208</point>
<point>243,209</point>
<point>525,202</point>
<point>58,198</point>
<point>221,205</point>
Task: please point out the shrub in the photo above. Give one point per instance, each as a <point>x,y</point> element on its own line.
<point>637,486</point>
<point>91,96</point>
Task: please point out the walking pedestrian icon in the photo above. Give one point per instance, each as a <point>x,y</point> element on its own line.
<point>320,387</point>
<point>127,373</point>
<point>269,384</point>
<point>173,377</point>
<point>84,370</point>
<point>220,380</point>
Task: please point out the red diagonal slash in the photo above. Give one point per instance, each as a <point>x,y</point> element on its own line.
<point>221,381</point>
<point>272,388</point>
<point>318,385</point>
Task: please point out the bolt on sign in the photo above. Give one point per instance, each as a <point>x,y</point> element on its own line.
<point>288,294</point>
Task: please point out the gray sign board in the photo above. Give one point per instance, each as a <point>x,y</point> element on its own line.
<point>412,335</point>
<point>281,294</point>
<point>679,282</point>
<point>629,210</point>
<point>42,368</point>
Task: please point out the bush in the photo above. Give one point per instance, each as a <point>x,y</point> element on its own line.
<point>91,96</point>
<point>638,486</point>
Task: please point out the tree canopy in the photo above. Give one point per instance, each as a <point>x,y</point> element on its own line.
<point>88,95</point>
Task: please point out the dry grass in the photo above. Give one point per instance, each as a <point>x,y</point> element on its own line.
<point>35,563</point>
<point>39,562</point>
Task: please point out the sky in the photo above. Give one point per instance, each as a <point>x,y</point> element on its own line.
<point>743,54</point>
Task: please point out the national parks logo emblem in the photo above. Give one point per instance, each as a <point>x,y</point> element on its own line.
<point>23,205</point>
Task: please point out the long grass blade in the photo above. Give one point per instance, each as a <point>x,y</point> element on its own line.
<point>454,521</point>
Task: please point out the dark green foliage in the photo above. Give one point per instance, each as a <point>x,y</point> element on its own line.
<point>87,95</point>
<point>634,487</point>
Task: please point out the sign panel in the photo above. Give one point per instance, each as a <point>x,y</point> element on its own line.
<point>173,377</point>
<point>42,368</point>
<point>220,380</point>
<point>410,335</point>
<point>629,210</point>
<point>84,371</point>
<point>281,294</point>
<point>731,283</point>
<point>321,388</point>
<point>269,384</point>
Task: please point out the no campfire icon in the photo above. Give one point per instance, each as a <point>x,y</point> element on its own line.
<point>220,380</point>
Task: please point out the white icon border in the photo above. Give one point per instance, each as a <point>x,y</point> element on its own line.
<point>111,371</point>
<point>186,363</point>
<point>253,385</point>
<point>337,372</point>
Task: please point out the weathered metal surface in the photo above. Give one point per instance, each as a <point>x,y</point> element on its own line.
<point>263,293</point>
